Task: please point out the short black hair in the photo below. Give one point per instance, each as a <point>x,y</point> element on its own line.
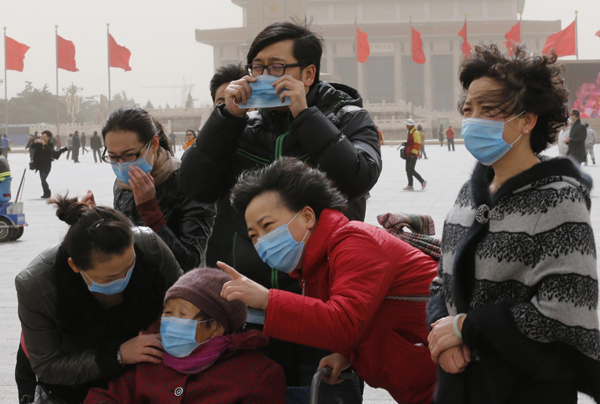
<point>226,74</point>
<point>48,133</point>
<point>191,130</point>
<point>308,45</point>
<point>576,113</point>
<point>529,83</point>
<point>297,184</point>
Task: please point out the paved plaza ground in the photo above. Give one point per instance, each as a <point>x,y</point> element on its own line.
<point>444,171</point>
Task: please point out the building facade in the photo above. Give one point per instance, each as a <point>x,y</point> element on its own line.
<point>389,75</point>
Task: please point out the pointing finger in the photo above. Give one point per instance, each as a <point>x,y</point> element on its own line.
<point>229,270</point>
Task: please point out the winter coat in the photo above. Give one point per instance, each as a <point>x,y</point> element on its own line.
<point>590,139</point>
<point>335,133</point>
<point>95,142</point>
<point>354,277</point>
<point>521,263</point>
<point>244,377</point>
<point>187,224</point>
<point>413,143</point>
<point>577,137</point>
<point>43,156</point>
<point>83,140</point>
<point>70,338</point>
<point>76,142</point>
<point>450,133</point>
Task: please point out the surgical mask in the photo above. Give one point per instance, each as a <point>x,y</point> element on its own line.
<point>178,335</point>
<point>110,288</point>
<point>279,249</point>
<point>263,94</point>
<point>483,139</point>
<point>121,170</point>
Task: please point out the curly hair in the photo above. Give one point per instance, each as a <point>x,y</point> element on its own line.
<point>533,84</point>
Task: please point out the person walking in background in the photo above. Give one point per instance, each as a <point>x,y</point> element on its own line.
<point>76,146</point>
<point>5,146</point>
<point>83,143</point>
<point>450,137</point>
<point>561,142</point>
<point>30,142</point>
<point>590,140</point>
<point>413,146</point>
<point>173,140</point>
<point>69,145</point>
<point>422,153</point>
<point>576,138</point>
<point>43,155</point>
<point>190,138</point>
<point>441,136</point>
<point>96,145</point>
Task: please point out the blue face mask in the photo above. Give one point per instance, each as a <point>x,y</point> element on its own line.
<point>121,170</point>
<point>279,249</point>
<point>483,139</point>
<point>110,288</point>
<point>178,335</point>
<point>263,94</point>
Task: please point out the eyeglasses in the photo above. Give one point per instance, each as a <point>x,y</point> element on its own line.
<point>125,158</point>
<point>274,69</point>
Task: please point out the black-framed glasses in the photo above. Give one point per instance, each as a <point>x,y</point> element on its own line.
<point>125,158</point>
<point>274,69</point>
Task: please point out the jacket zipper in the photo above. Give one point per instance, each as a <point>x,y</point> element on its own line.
<point>303,286</point>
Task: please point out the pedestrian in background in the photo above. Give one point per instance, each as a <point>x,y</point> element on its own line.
<point>450,137</point>
<point>83,143</point>
<point>69,145</point>
<point>561,142</point>
<point>441,136</point>
<point>422,154</point>
<point>190,138</point>
<point>5,146</point>
<point>96,145</point>
<point>576,138</point>
<point>30,142</point>
<point>76,146</point>
<point>413,146</point>
<point>590,140</point>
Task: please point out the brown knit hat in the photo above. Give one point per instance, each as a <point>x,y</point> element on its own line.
<point>202,287</point>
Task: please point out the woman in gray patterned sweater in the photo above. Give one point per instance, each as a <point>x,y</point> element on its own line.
<point>514,314</point>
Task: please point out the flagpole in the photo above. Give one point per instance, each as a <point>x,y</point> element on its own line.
<point>410,80</point>
<point>57,97</point>
<point>108,47</point>
<point>576,38</point>
<point>5,89</point>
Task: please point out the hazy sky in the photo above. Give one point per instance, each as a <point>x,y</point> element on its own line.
<point>160,35</point>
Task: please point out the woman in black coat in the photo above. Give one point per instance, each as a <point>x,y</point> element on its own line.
<point>146,188</point>
<point>43,155</point>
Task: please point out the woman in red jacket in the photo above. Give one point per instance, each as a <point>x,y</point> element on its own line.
<point>362,288</point>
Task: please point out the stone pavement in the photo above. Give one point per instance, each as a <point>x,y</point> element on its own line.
<point>444,171</point>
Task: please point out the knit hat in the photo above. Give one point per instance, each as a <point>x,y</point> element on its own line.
<point>202,287</point>
<point>409,122</point>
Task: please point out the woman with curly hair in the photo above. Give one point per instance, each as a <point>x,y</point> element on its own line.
<point>515,316</point>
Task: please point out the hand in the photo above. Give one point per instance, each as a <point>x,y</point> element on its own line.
<point>566,140</point>
<point>442,336</point>
<point>244,289</point>
<point>89,199</point>
<point>237,92</point>
<point>142,185</point>
<point>295,91</point>
<point>455,359</point>
<point>338,363</point>
<point>143,348</point>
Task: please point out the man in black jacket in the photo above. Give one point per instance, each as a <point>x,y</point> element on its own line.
<point>325,125</point>
<point>76,146</point>
<point>42,159</point>
<point>96,145</point>
<point>576,139</point>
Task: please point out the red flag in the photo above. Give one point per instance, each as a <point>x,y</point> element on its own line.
<point>598,34</point>
<point>417,47</point>
<point>119,55</point>
<point>563,42</point>
<point>65,54</point>
<point>363,50</point>
<point>513,37</point>
<point>15,54</point>
<point>466,46</point>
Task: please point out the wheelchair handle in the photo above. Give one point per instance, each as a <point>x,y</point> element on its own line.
<point>325,372</point>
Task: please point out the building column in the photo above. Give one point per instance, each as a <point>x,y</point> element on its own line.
<point>398,72</point>
<point>428,76</point>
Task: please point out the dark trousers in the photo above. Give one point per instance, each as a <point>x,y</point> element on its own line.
<point>94,151</point>
<point>68,152</point>
<point>423,154</point>
<point>451,143</point>
<point>24,376</point>
<point>411,162</point>
<point>76,154</point>
<point>43,177</point>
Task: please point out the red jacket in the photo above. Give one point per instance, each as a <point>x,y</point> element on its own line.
<point>347,271</point>
<point>450,133</point>
<point>243,377</point>
<point>413,143</point>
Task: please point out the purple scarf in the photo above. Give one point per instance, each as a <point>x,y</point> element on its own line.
<point>201,358</point>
